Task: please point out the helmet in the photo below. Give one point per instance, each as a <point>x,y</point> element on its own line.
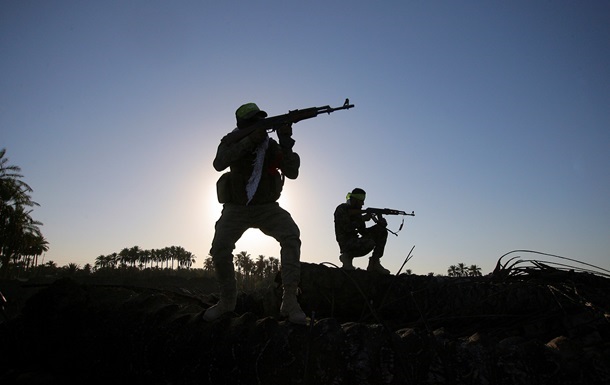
<point>248,111</point>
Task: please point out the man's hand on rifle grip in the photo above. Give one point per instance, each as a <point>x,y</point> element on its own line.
<point>284,130</point>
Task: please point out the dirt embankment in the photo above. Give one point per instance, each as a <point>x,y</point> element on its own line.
<point>550,327</point>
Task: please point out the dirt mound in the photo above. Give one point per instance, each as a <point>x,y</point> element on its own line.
<point>547,328</point>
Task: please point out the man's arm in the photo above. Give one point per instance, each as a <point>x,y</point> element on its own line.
<point>345,223</point>
<point>290,160</point>
<point>290,164</point>
<point>229,153</point>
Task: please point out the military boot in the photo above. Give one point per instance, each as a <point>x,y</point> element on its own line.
<point>227,302</point>
<point>290,306</point>
<point>347,262</point>
<point>375,265</point>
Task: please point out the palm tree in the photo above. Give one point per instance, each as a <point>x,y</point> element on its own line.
<point>13,191</point>
<point>156,257</point>
<point>161,257</point>
<point>143,258</point>
<point>20,236</point>
<point>185,258</point>
<point>452,271</point>
<point>259,266</point>
<point>274,266</point>
<point>34,245</point>
<point>39,247</point>
<point>241,262</point>
<point>168,255</point>
<point>18,231</point>
<point>245,267</point>
<point>462,269</point>
<point>129,256</point>
<point>113,260</point>
<point>133,255</point>
<point>474,271</point>
<point>208,263</point>
<point>72,268</point>
<point>101,262</point>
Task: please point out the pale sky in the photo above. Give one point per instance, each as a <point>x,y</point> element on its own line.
<point>489,119</point>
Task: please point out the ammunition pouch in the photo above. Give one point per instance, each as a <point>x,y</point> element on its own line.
<point>223,188</point>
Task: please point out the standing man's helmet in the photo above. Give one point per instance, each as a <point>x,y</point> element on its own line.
<point>248,111</point>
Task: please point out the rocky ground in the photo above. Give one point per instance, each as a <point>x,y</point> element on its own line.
<point>542,326</point>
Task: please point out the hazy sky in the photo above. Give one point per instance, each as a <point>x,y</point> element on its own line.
<point>489,119</point>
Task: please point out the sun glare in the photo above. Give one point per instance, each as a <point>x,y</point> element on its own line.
<point>210,205</point>
<point>285,200</point>
<point>255,243</point>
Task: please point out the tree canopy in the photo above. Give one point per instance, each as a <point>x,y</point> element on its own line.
<point>21,240</point>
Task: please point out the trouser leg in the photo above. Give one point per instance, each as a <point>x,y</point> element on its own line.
<point>379,234</point>
<point>358,247</point>
<point>277,223</point>
<point>374,240</point>
<point>229,228</point>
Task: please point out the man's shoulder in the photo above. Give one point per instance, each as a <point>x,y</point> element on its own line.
<point>228,138</point>
<point>342,207</point>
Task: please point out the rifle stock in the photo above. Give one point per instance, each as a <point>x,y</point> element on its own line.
<point>275,122</point>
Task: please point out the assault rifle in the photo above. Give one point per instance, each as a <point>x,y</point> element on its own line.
<point>274,122</point>
<point>377,214</point>
<point>374,210</point>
